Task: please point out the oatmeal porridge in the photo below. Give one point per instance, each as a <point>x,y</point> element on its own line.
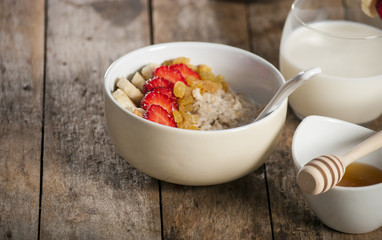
<point>179,94</point>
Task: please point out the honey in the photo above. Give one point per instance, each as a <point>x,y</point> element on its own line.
<point>360,174</point>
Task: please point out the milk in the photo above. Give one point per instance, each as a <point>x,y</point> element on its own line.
<point>350,86</point>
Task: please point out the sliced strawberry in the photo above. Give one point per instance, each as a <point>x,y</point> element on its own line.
<point>185,70</point>
<point>166,91</point>
<point>157,98</point>
<point>170,74</point>
<point>378,5</point>
<point>157,82</point>
<point>159,115</point>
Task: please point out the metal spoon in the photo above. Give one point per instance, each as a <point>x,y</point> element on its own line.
<point>286,89</point>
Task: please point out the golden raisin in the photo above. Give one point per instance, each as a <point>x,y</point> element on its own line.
<point>193,67</point>
<point>219,78</point>
<point>192,118</point>
<point>211,86</point>
<point>186,108</point>
<point>186,100</point>
<point>204,68</point>
<point>188,92</point>
<point>192,81</point>
<point>181,60</point>
<point>207,76</point>
<point>179,89</point>
<point>177,116</point>
<point>187,125</point>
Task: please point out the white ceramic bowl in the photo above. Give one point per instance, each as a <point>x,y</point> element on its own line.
<point>345,209</point>
<point>192,157</point>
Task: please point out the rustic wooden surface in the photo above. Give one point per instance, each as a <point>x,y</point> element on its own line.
<point>21,114</point>
<point>60,177</point>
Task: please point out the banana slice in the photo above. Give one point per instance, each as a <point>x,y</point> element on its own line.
<point>138,81</point>
<point>121,97</point>
<point>132,92</point>
<point>148,70</point>
<point>369,7</point>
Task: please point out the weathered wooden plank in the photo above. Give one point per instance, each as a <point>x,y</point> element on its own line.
<point>236,210</point>
<point>21,87</point>
<point>89,192</point>
<point>291,216</point>
<point>266,21</point>
<point>202,20</point>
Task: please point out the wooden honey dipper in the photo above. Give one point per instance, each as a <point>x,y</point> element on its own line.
<point>322,173</point>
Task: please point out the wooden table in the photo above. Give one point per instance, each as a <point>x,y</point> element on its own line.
<point>60,177</point>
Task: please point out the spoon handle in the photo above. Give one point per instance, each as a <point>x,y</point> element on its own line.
<point>367,146</point>
<point>290,85</point>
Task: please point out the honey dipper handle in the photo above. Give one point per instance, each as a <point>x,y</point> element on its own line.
<point>367,146</point>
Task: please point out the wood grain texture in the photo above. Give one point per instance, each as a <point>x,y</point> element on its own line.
<point>202,20</point>
<point>266,20</point>
<point>89,192</point>
<point>21,88</point>
<point>236,210</point>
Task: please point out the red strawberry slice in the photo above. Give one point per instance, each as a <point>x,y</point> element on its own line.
<point>378,5</point>
<point>157,82</point>
<point>166,91</point>
<point>159,115</point>
<point>157,98</point>
<point>170,74</point>
<point>185,70</point>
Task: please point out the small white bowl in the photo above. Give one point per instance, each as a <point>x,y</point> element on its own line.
<point>345,209</point>
<point>192,157</point>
